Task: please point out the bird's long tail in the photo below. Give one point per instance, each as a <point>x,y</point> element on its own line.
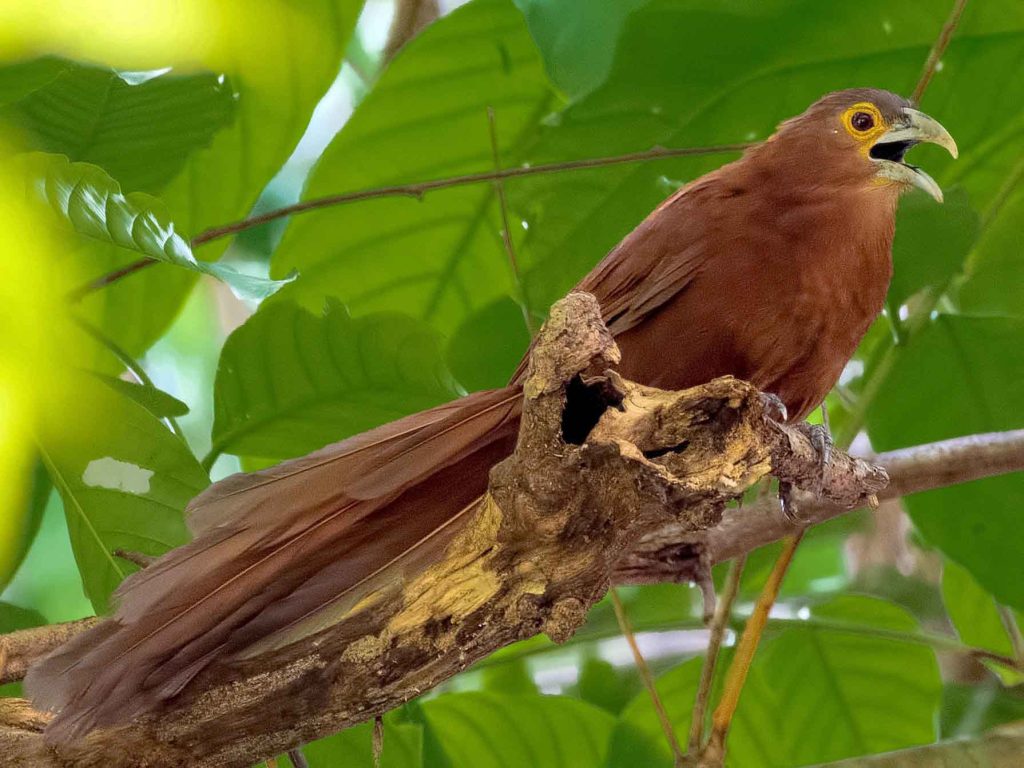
<point>279,555</point>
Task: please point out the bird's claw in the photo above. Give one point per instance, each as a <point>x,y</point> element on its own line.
<point>786,501</point>
<point>821,440</point>
<point>774,408</point>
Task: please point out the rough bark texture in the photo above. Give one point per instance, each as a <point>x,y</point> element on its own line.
<point>602,468</point>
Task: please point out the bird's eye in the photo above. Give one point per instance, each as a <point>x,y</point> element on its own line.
<point>862,121</point>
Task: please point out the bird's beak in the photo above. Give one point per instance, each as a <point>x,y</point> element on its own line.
<point>914,128</point>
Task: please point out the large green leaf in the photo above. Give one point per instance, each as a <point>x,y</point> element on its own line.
<point>960,376</point>
<point>85,198</point>
<point>123,477</point>
<point>578,40</point>
<point>975,616</point>
<point>441,259</point>
<point>489,730</point>
<point>273,61</point>
<point>817,691</point>
<point>142,133</point>
<point>697,73</point>
<point>19,79</point>
<point>290,382</point>
<point>35,503</point>
<point>932,243</point>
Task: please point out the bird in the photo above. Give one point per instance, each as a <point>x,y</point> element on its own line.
<point>770,269</point>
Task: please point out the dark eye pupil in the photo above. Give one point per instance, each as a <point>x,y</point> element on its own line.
<point>862,121</point>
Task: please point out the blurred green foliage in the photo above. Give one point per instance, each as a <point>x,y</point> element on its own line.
<point>402,303</point>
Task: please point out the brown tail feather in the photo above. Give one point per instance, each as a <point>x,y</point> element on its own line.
<point>279,555</point>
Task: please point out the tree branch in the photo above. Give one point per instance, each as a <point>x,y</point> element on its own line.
<point>20,649</point>
<point>561,522</point>
<point>416,190</point>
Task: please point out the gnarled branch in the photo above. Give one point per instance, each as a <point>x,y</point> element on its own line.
<point>603,470</point>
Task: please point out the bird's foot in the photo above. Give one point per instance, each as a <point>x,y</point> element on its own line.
<point>821,440</point>
<point>774,408</point>
<point>786,501</point>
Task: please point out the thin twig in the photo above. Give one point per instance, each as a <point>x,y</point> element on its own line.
<point>1009,620</point>
<point>298,759</point>
<point>506,232</point>
<point>138,558</point>
<point>707,674</point>
<point>938,48</point>
<point>745,650</point>
<point>416,190</point>
<point>645,675</point>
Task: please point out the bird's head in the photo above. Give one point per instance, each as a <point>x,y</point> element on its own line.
<point>867,133</point>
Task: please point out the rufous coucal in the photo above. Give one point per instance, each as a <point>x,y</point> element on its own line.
<point>770,269</point>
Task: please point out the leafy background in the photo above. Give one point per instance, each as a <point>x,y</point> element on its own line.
<point>218,357</point>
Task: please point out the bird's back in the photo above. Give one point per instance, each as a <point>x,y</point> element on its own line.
<point>747,273</point>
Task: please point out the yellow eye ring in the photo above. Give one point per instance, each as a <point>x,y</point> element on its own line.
<point>863,120</point>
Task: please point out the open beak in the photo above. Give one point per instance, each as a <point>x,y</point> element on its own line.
<point>914,128</point>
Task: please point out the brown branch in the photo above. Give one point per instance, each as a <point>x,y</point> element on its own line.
<point>20,649</point>
<point>411,16</point>
<point>561,521</point>
<point>938,48</point>
<point>669,554</point>
<point>415,190</point>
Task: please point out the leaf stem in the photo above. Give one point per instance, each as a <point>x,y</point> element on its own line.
<point>648,679</point>
<point>938,48</point>
<point>130,363</point>
<point>506,232</point>
<point>707,674</point>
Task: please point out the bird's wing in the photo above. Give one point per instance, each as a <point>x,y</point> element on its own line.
<point>275,553</point>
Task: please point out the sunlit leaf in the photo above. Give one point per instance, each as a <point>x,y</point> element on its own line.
<point>290,382</point>
<point>141,134</point>
<point>156,401</point>
<point>124,479</point>
<point>87,199</point>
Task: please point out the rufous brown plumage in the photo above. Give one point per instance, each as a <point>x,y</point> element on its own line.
<point>770,268</point>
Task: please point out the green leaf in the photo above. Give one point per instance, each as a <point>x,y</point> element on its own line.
<point>140,134</point>
<point>815,693</point>
<point>87,199</point>
<point>274,61</point>
<point>488,730</point>
<point>512,676</point>
<point>21,78</point>
<point>156,401</point>
<point>36,502</point>
<point>975,616</point>
<point>961,376</point>
<point>442,259</point>
<point>932,243</point>
<point>290,382</point>
<point>123,477</point>
<point>353,747</point>
<point>602,685</point>
<point>577,40</point>
<point>696,73</point>
<point>486,349</point>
